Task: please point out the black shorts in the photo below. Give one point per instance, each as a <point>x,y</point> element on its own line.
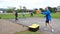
<point>47,21</point>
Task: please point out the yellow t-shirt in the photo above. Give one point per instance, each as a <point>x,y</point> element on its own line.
<point>37,11</point>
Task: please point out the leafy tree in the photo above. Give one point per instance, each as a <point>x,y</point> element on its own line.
<point>41,9</point>
<point>34,11</point>
<point>24,9</point>
<point>9,10</point>
<point>18,10</point>
<point>50,8</point>
<point>53,10</point>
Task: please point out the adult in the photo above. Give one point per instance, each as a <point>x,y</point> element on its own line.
<point>48,18</point>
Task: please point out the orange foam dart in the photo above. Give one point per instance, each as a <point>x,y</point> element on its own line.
<point>38,11</point>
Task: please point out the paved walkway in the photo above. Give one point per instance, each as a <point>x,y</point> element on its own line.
<point>40,21</point>
<point>7,27</point>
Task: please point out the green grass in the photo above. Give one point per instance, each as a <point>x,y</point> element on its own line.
<point>56,15</point>
<point>11,16</point>
<point>28,32</point>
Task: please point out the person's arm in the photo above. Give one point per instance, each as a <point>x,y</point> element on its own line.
<point>44,13</point>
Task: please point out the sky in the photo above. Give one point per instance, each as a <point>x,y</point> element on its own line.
<point>30,4</point>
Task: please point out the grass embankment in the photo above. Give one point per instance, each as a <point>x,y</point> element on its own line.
<point>11,16</point>
<point>28,32</point>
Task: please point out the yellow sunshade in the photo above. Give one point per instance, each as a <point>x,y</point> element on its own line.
<point>34,26</point>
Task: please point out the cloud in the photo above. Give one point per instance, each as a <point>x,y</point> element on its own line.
<point>29,3</point>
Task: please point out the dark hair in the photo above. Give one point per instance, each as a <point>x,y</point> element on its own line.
<point>36,9</point>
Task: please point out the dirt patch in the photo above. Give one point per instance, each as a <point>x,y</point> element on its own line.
<point>7,27</point>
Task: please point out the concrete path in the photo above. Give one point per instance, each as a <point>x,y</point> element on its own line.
<point>7,27</point>
<point>40,21</point>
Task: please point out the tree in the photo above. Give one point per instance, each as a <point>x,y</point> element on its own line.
<point>50,8</point>
<point>41,9</point>
<point>53,10</point>
<point>10,9</point>
<point>34,11</point>
<point>24,9</point>
<point>18,10</point>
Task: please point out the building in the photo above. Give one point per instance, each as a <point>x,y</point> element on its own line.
<point>1,11</point>
<point>58,9</point>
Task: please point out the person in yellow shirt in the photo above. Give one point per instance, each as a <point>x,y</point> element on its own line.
<point>38,11</point>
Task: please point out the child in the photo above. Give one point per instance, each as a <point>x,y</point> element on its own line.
<point>37,11</point>
<point>16,15</point>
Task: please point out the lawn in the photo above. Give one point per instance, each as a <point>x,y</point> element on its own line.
<point>11,16</point>
<point>56,15</point>
<point>28,32</point>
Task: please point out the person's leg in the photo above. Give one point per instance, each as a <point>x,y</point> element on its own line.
<point>51,26</point>
<point>46,25</point>
<point>16,18</point>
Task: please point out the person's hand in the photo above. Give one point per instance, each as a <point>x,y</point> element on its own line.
<point>40,11</point>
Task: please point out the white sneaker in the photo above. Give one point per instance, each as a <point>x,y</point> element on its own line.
<point>52,30</point>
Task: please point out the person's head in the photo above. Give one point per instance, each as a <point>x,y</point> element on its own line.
<point>46,8</point>
<point>36,9</point>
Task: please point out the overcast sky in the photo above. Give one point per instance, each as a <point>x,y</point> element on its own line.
<point>30,4</point>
